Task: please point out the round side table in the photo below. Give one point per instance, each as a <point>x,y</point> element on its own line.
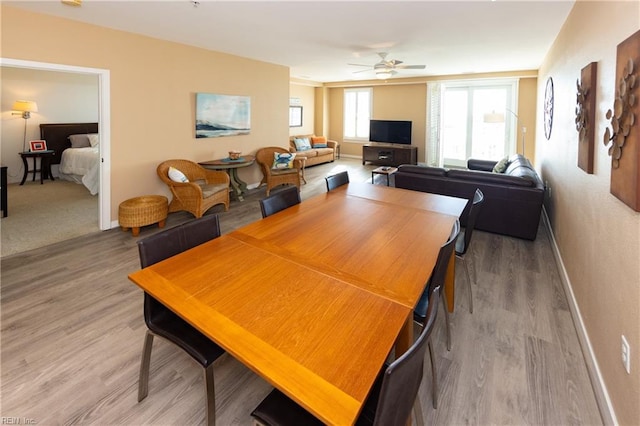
<point>231,167</point>
<point>45,164</point>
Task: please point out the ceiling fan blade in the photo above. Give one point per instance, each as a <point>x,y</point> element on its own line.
<point>360,65</point>
<point>356,72</point>
<point>394,62</point>
<point>410,67</point>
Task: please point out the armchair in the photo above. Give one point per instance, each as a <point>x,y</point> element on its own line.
<point>204,189</point>
<point>273,178</point>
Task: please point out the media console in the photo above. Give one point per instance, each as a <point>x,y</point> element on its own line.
<point>389,155</point>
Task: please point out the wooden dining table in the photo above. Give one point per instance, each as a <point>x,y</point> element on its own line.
<point>313,298</point>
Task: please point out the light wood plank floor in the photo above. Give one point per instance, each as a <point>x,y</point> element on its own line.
<point>72,332</point>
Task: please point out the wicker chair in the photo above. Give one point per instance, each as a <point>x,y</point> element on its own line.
<point>205,188</point>
<point>273,178</point>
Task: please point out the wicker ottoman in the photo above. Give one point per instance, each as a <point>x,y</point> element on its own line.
<point>140,211</point>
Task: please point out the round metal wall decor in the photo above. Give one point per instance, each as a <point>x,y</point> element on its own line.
<point>548,108</point>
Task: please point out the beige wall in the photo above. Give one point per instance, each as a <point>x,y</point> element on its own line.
<point>406,99</point>
<point>153,87</point>
<point>598,236</point>
<point>390,102</point>
<point>306,94</point>
<point>527,92</point>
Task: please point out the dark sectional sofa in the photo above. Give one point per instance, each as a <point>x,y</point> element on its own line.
<point>512,200</point>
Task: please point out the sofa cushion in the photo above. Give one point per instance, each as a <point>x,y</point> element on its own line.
<point>283,160</point>
<point>176,175</point>
<point>501,166</point>
<point>318,142</point>
<point>488,177</point>
<point>324,151</point>
<point>517,160</point>
<point>208,189</point>
<point>302,144</point>
<point>423,170</point>
<point>308,153</point>
<point>524,172</point>
<point>485,165</point>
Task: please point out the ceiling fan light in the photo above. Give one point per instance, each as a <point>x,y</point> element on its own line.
<point>381,75</point>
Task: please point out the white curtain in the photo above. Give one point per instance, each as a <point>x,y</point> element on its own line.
<point>433,147</point>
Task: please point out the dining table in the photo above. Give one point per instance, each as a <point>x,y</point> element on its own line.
<point>315,297</point>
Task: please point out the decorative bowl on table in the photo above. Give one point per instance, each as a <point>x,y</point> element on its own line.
<point>234,155</point>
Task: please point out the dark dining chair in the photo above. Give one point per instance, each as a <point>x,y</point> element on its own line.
<point>162,322</point>
<point>337,180</point>
<point>287,197</point>
<point>390,400</point>
<point>462,245</point>
<point>437,280</point>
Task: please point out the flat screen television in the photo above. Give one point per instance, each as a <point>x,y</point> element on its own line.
<point>390,131</point>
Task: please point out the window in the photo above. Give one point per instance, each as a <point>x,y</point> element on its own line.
<point>357,113</point>
<point>464,131</point>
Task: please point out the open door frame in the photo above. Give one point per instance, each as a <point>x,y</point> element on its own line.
<point>104,124</point>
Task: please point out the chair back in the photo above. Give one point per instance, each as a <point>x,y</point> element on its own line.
<point>403,377</point>
<point>171,242</point>
<point>264,157</point>
<point>193,171</point>
<point>280,200</point>
<point>167,243</point>
<point>444,256</point>
<point>478,199</point>
<point>337,180</point>
<point>439,273</point>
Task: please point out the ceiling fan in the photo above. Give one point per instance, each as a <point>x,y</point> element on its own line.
<point>387,68</point>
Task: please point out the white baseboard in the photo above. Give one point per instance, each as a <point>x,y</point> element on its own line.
<point>602,396</point>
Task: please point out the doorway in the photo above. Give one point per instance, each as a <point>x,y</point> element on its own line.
<point>104,124</point>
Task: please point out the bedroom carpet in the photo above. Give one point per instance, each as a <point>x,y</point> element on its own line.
<point>40,215</point>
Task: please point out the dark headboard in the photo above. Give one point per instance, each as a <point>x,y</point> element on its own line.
<point>56,135</point>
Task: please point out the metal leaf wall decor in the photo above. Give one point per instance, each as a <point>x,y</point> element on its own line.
<point>581,114</point>
<point>622,117</point>
<point>586,115</point>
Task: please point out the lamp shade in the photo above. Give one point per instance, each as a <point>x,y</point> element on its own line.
<point>493,117</point>
<point>25,106</point>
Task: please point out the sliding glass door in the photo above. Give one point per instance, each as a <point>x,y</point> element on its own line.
<point>467,128</point>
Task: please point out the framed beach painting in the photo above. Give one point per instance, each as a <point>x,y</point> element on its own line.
<point>222,115</point>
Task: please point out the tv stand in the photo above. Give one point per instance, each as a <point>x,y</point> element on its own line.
<point>389,155</point>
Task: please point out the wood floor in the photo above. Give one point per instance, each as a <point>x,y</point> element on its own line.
<point>72,334</point>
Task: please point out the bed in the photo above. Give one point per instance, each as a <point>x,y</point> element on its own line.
<point>78,161</point>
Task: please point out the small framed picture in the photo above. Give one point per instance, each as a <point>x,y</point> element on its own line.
<point>295,116</point>
<point>35,146</point>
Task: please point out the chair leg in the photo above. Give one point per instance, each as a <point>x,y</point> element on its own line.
<point>210,395</point>
<point>466,268</point>
<point>446,319</point>
<point>145,363</point>
<point>434,376</point>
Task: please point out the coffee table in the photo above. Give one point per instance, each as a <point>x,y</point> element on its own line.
<point>231,167</point>
<point>384,170</point>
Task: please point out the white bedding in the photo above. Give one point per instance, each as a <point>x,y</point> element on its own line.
<point>82,165</point>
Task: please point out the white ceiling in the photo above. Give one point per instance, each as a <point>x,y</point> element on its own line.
<point>318,39</point>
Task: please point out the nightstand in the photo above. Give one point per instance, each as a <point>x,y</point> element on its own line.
<point>45,164</point>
